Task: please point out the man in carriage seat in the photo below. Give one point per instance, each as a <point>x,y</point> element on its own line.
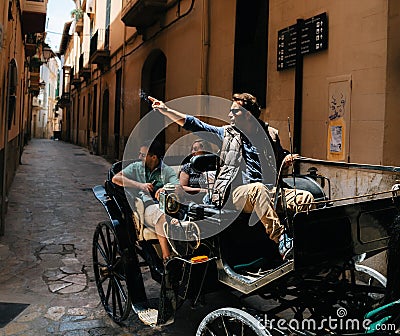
<point>242,163</point>
<point>147,177</point>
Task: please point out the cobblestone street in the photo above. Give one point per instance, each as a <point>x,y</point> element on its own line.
<point>46,252</point>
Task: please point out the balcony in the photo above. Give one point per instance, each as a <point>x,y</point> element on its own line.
<point>33,16</point>
<point>99,47</point>
<point>142,13</point>
<point>34,80</point>
<point>65,100</point>
<point>84,66</point>
<point>76,79</point>
<point>31,43</point>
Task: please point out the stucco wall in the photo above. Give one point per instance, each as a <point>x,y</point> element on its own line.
<point>358,49</point>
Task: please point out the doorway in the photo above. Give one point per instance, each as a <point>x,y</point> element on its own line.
<point>104,123</point>
<point>153,84</point>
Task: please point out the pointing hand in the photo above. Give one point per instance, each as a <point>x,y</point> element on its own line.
<point>157,104</point>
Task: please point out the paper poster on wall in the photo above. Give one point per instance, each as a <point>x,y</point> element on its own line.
<point>336,139</point>
<point>339,94</point>
<point>336,143</point>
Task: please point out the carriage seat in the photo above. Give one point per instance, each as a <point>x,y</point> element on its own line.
<point>137,212</point>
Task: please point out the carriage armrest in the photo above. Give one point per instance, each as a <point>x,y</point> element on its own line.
<point>205,162</point>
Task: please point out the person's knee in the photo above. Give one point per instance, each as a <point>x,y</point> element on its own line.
<point>305,198</point>
<point>257,188</point>
<point>308,197</point>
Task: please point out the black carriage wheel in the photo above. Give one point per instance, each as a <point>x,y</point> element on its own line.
<point>231,321</point>
<point>109,271</point>
<point>372,278</point>
<point>368,294</point>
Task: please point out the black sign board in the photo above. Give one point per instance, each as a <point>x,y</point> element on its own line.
<point>314,38</point>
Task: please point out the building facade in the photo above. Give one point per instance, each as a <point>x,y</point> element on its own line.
<point>341,101</point>
<point>22,27</point>
<point>46,115</point>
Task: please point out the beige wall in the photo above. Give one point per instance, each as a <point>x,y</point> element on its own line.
<point>12,50</point>
<point>362,57</point>
<point>184,47</point>
<point>360,49</point>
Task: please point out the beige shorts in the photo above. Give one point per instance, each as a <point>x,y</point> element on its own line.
<point>151,215</point>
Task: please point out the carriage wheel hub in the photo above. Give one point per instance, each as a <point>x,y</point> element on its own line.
<point>105,271</point>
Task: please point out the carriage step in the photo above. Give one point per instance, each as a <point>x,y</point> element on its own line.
<point>145,314</point>
<point>148,316</point>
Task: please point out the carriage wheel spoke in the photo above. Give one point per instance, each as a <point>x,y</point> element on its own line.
<point>107,297</point>
<point>121,289</point>
<point>109,243</point>
<point>102,252</point>
<point>113,295</point>
<point>223,323</point>
<point>105,246</point>
<point>210,331</point>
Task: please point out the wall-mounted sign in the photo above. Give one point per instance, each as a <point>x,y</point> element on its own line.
<point>313,38</point>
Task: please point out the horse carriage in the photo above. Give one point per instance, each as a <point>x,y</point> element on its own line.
<point>323,279</point>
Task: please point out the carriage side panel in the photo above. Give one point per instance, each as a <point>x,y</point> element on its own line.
<point>333,234</point>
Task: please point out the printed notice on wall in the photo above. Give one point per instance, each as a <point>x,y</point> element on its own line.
<point>339,96</point>
<point>336,145</point>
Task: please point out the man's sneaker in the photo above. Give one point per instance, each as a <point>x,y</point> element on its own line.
<point>285,246</point>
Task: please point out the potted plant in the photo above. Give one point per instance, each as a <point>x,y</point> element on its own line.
<point>77,13</point>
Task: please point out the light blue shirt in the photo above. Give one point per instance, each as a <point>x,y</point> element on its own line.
<point>161,175</point>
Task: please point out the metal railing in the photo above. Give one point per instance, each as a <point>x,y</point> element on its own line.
<point>100,40</point>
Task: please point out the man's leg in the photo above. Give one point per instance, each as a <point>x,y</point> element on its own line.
<point>298,200</point>
<point>257,197</point>
<point>155,218</point>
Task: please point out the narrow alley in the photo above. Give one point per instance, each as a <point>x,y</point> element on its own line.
<point>45,254</point>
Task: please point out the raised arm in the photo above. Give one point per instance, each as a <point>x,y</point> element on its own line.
<point>175,116</point>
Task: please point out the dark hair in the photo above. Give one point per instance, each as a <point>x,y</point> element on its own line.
<point>154,148</point>
<point>206,146</point>
<point>249,102</point>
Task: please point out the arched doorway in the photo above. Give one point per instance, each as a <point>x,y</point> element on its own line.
<point>104,123</point>
<point>153,84</point>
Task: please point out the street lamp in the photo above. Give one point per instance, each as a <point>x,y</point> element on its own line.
<point>43,54</point>
<point>47,53</point>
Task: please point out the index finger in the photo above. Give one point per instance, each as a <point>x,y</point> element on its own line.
<point>152,99</point>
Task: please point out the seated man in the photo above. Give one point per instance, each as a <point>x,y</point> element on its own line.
<point>244,158</point>
<point>146,177</point>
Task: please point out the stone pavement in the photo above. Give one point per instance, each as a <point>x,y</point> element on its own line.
<point>45,254</point>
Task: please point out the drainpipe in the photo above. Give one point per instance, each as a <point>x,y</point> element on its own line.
<point>122,97</point>
<point>298,92</point>
<point>21,123</point>
<point>4,185</point>
<point>205,47</point>
<point>99,123</point>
